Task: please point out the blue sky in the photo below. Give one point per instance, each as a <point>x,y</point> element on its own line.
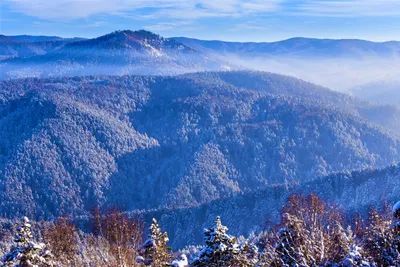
<point>233,20</point>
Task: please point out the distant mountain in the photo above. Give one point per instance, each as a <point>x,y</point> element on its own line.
<point>25,46</point>
<point>10,48</point>
<point>386,92</point>
<point>40,38</point>
<point>140,41</point>
<point>68,144</point>
<point>298,47</point>
<point>118,53</point>
<point>337,64</point>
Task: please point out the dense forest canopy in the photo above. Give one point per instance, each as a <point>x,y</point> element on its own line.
<point>175,142</point>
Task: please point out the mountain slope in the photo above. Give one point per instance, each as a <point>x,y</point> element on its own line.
<point>252,211</point>
<point>384,115</point>
<point>119,53</point>
<point>69,144</point>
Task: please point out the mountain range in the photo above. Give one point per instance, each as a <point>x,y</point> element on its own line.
<point>145,53</point>
<point>24,46</point>
<point>185,140</point>
<point>294,47</point>
<point>298,47</point>
<point>118,53</point>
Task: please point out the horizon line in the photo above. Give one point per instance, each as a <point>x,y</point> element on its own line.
<point>208,40</point>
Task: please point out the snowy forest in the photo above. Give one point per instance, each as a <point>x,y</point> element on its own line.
<point>312,232</point>
<point>131,149</point>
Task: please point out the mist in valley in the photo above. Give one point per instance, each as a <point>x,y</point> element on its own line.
<point>339,74</point>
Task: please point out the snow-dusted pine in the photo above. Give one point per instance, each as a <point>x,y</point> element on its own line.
<point>154,252</point>
<point>26,252</point>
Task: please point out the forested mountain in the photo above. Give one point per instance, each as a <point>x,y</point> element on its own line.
<point>384,115</point>
<point>120,53</point>
<point>351,191</point>
<point>25,46</point>
<point>69,144</point>
<point>298,47</point>
<point>43,38</point>
<point>10,48</point>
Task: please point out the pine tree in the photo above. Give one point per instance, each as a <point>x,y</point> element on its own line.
<point>27,253</point>
<point>154,252</point>
<point>221,249</point>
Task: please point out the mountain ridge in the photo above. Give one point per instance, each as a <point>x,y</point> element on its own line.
<point>119,53</point>
<point>298,46</point>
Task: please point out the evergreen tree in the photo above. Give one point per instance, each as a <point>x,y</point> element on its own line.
<point>154,252</point>
<point>221,249</point>
<point>27,253</point>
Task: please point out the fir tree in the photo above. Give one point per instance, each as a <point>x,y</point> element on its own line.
<point>27,253</point>
<point>221,249</point>
<point>154,252</point>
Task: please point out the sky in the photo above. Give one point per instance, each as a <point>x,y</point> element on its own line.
<point>230,20</point>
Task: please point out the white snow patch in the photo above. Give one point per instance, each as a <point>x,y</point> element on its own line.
<point>181,261</point>
<point>396,207</point>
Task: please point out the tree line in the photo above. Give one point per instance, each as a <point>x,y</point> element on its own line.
<point>312,233</point>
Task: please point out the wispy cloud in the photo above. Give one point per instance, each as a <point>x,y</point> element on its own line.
<point>165,26</point>
<point>254,25</point>
<point>349,8</point>
<point>70,9</point>
<point>96,24</point>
